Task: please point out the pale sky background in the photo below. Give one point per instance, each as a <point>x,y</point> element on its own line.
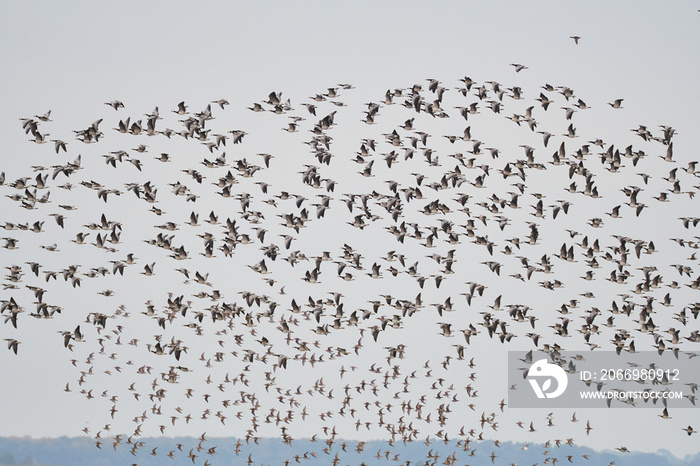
<point>72,57</point>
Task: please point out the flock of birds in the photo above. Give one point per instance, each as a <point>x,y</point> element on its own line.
<point>287,290</point>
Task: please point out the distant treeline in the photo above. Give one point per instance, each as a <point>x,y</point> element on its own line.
<point>84,451</point>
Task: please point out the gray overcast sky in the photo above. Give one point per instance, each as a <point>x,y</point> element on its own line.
<point>71,57</point>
